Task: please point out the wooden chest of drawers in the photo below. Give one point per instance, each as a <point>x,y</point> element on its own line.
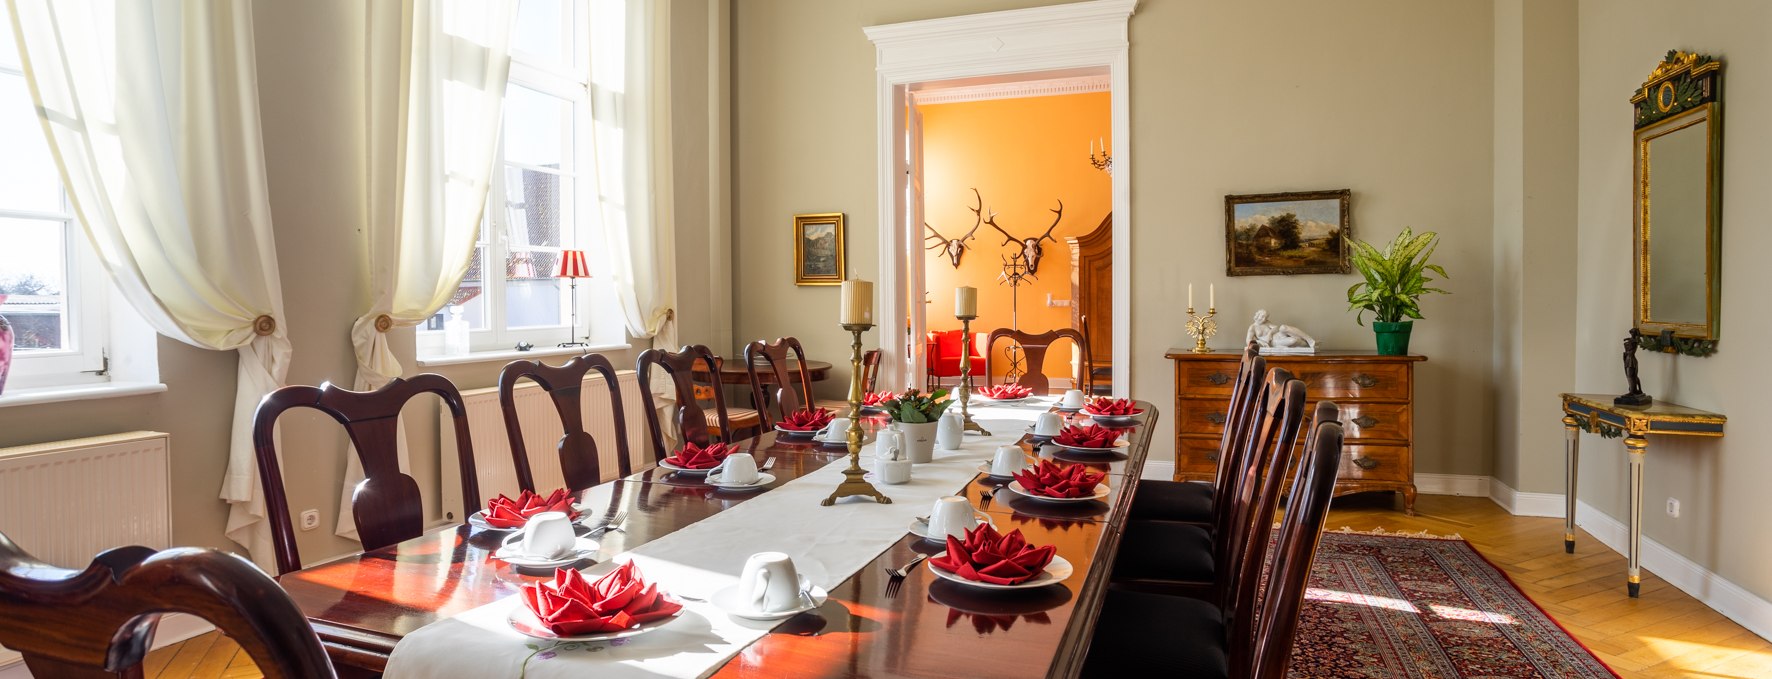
<point>1376,395</point>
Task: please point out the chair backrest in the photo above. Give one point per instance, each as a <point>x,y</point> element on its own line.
<point>870,370</point>
<point>1275,428</point>
<point>691,419</point>
<point>1295,549</point>
<point>98,622</point>
<point>777,355</point>
<point>1242,612</point>
<point>1033,349</point>
<point>386,505</point>
<point>579,462</point>
<point>1250,373</point>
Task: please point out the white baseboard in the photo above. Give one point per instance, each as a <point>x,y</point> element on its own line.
<point>1725,597</point>
<point>1452,484</point>
<point>173,628</point>
<point>1525,504</point>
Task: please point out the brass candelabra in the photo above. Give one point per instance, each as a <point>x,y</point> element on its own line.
<point>1201,328</point>
<point>963,392</point>
<point>853,481</point>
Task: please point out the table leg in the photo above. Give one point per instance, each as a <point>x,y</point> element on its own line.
<point>1572,451</point>
<point>1636,445</point>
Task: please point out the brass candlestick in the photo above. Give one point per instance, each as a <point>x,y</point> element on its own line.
<point>1201,328</point>
<point>853,483</point>
<point>964,391</point>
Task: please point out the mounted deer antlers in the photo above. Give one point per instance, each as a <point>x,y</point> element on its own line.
<point>1031,250</point>
<point>955,248</point>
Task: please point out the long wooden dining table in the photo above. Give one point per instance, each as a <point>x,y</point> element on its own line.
<point>362,605</point>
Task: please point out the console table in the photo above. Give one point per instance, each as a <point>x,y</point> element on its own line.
<point>1597,414</point>
<point>1376,395</point>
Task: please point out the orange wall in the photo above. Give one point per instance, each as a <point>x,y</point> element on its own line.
<point>1022,155</point>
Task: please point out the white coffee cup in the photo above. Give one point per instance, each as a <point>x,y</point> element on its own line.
<point>951,516</point>
<point>835,432</point>
<point>740,469</point>
<point>951,431</point>
<point>1048,424</point>
<point>548,535</point>
<point>769,582</point>
<point>1007,461</point>
<point>1073,399</point>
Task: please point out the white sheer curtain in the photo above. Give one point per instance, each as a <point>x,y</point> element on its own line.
<point>435,92</point>
<point>152,111</point>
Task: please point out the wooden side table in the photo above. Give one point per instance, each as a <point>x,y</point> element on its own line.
<point>1597,414</point>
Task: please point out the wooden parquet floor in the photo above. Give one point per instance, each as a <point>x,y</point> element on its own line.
<point>1663,634</point>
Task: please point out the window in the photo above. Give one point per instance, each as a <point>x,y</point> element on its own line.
<point>538,203</point>
<point>55,290</point>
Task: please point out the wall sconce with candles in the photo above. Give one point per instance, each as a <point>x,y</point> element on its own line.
<point>1105,162</point>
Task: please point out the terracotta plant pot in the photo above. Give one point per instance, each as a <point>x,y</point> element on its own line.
<point>1393,338</point>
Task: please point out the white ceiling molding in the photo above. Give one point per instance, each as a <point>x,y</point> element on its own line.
<point>1048,87</point>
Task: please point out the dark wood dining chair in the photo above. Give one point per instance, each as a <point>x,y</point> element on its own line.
<point>777,355</point>
<point>870,382</point>
<point>580,463</point>
<point>1191,501</point>
<point>386,505</point>
<point>744,422</point>
<point>1203,639</point>
<point>98,622</point>
<point>1033,349</point>
<point>693,423</point>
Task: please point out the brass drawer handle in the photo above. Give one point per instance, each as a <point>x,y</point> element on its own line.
<point>1212,456</point>
<point>1365,380</point>
<point>1365,463</point>
<point>1219,379</point>
<point>1367,421</point>
<point>1215,418</point>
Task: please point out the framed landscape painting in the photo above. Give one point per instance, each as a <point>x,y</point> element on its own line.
<point>818,249</point>
<point>1286,233</point>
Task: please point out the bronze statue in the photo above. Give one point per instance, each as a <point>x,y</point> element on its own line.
<point>1635,397</point>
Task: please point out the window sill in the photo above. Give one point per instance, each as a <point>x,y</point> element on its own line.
<point>513,355</point>
<point>78,392</point>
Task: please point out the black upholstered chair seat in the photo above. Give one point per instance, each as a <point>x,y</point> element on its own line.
<point>1141,635</point>
<point>1167,551</point>
<point>1159,500</point>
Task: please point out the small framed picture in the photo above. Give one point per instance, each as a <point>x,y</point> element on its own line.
<point>1287,233</point>
<point>818,249</point>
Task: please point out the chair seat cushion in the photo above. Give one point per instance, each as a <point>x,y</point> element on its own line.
<point>1159,500</point>
<point>740,417</point>
<point>1144,635</point>
<point>1166,551</point>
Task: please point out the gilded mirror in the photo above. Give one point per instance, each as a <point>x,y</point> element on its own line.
<point>1677,190</point>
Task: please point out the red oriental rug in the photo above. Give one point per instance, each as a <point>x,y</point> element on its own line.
<point>1383,606</point>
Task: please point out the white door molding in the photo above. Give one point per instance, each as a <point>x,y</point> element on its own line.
<point>1025,41</point>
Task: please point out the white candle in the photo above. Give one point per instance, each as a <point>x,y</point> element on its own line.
<point>1091,149</point>
<point>1212,296</point>
<point>966,302</point>
<point>858,303</point>
<point>1190,297</point>
<point>1103,142</point>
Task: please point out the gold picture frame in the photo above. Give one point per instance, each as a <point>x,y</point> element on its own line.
<point>818,249</point>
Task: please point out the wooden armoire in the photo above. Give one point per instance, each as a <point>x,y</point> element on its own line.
<point>1092,297</point>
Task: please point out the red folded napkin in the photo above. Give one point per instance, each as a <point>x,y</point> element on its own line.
<point>504,512</point>
<point>807,420</point>
<point>692,456</point>
<point>1052,480</point>
<point>874,398</point>
<point>1005,392</point>
<point>569,606</point>
<point>986,556</point>
<point>1112,407</point>
<point>1087,436</point>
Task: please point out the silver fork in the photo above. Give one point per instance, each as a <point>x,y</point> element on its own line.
<point>615,523</point>
<point>768,464</point>
<point>895,577</point>
<point>984,497</point>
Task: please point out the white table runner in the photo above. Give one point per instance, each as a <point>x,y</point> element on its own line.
<point>828,544</point>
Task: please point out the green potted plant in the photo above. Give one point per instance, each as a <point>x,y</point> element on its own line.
<point>917,415</point>
<point>1395,280</point>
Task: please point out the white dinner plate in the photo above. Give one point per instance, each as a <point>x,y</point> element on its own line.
<point>1054,572</point>
<point>796,433</point>
<point>1113,419</point>
<point>1119,445</point>
<point>763,479</point>
<point>478,520</point>
<point>1101,491</point>
<point>920,526</point>
<point>511,551</point>
<point>526,624</point>
<point>687,471</point>
<point>1006,401</point>
<point>726,600</point>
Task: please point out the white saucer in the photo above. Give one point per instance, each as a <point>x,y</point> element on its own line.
<point>1101,491</point>
<point>508,552</point>
<point>1055,572</point>
<point>526,624</point>
<point>1119,444</point>
<point>1064,409</point>
<point>985,468</point>
<point>727,601</point>
<point>1042,437</point>
<point>1114,419</point>
<point>763,479</point>
<point>920,528</point>
<point>796,433</point>
<point>687,471</point>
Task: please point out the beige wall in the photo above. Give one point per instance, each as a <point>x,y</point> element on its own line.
<point>1721,484</point>
<point>1394,103</point>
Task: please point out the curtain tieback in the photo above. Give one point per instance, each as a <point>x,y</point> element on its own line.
<point>383,323</point>
<point>264,325</point>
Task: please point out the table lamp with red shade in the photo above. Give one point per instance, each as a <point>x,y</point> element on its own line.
<point>573,267</point>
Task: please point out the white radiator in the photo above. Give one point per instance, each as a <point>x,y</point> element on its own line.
<point>66,501</point>
<point>541,433</point>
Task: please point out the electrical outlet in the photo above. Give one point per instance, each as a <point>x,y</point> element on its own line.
<point>310,519</point>
<point>1673,507</point>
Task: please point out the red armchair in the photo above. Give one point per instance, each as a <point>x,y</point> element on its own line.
<point>943,351</point>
